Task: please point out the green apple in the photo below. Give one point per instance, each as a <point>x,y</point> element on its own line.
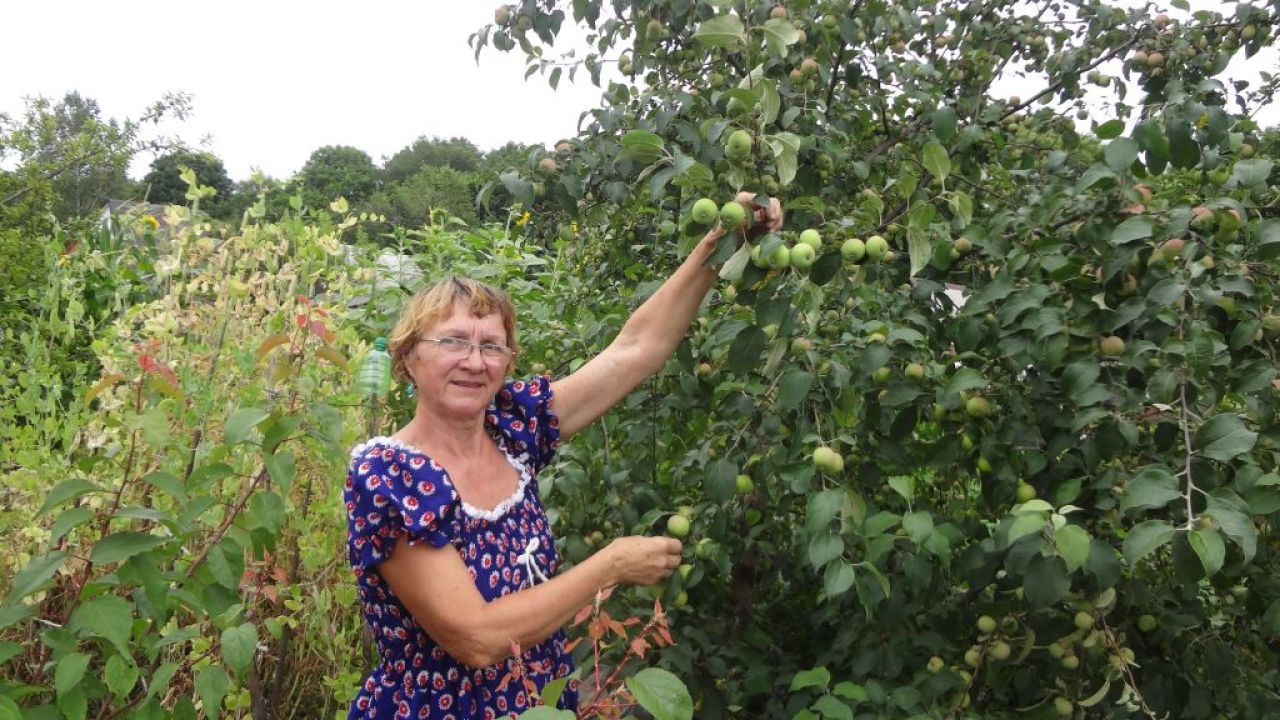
<point>881,374</point>
<point>1063,706</point>
<point>1147,623</point>
<point>802,256</point>
<point>935,664</point>
<point>1084,620</point>
<point>915,371</point>
<point>853,249</point>
<point>704,211</point>
<point>811,238</point>
<point>738,146</point>
<point>743,485</point>
<point>962,245</point>
<point>877,248</point>
<point>1000,650</point>
<point>828,460</point>
<point>801,345</point>
<point>986,624</point>
<point>1111,346</point>
<point>779,258</point>
<point>977,407</point>
<point>678,526</point>
<point>1025,493</point>
<point>733,215</point>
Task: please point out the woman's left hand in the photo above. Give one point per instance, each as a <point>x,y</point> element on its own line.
<point>765,218</point>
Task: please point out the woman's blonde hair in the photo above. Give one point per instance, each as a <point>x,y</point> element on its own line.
<point>434,303</point>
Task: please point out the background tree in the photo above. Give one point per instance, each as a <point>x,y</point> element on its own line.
<point>409,203</point>
<point>337,170</point>
<point>66,159</point>
<point>164,184</point>
<point>456,153</point>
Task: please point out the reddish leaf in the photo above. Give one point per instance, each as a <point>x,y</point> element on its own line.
<point>569,646</point>
<point>301,320</point>
<point>639,646</point>
<point>605,594</point>
<point>270,592</point>
<point>595,630</point>
<point>304,301</point>
<point>665,634</point>
<point>318,328</point>
<point>582,615</point>
<point>617,628</point>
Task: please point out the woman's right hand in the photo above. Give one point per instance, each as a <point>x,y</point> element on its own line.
<point>642,560</point>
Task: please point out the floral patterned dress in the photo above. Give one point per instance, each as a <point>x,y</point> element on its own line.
<point>395,490</point>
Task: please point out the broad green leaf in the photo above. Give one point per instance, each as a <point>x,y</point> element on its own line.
<point>8,650</point>
<point>1135,228</point>
<point>239,644</point>
<point>829,706</point>
<point>793,388</point>
<point>211,685</point>
<point>904,485</point>
<point>961,206</point>
<point>850,691</point>
<point>1252,173</point>
<point>641,146</point>
<point>1144,538</point>
<point>818,677</point>
<point>551,693</point>
<point>824,548</point>
<point>919,525</point>
<point>837,579</point>
<point>720,480</point>
<point>1237,526</point>
<point>34,575</point>
<point>64,491</point>
<point>160,679</point>
<point>1109,129</point>
<point>919,248</point>
<point>1026,524</point>
<point>268,510</point>
<point>1209,547</point>
<point>943,121</point>
<point>69,520</point>
<point>1045,581</point>
<point>770,102</point>
<point>1153,487</point>
<point>120,675</point>
<point>722,31</point>
<point>1072,542</point>
<point>281,467</point>
<point>965,379</point>
<point>241,422</point>
<point>546,712</point>
<point>1121,153</point>
<point>70,672</point>
<point>1268,238</point>
<point>935,159</point>
<point>780,34</point>
<point>124,545</point>
<point>1224,437</point>
<point>74,705</point>
<point>9,709</point>
<point>662,694</point>
<point>823,507</point>
<point>744,353</point>
<point>107,616</point>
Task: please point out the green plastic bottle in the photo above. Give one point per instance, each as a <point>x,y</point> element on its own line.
<point>374,376</point>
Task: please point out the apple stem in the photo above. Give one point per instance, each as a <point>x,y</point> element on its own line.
<point>1186,440</point>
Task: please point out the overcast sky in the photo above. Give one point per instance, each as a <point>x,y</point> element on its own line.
<point>273,80</point>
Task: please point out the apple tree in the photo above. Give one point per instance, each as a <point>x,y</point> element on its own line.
<point>990,428</point>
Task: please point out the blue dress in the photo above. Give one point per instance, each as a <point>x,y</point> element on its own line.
<point>396,490</point>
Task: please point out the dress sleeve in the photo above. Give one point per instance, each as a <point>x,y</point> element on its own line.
<point>392,492</point>
<point>523,414</point>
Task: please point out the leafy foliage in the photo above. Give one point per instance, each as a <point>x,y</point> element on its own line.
<point>165,185</point>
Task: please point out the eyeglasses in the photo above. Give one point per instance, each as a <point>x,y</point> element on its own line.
<point>460,346</point>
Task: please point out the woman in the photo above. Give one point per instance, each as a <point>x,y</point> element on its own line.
<point>451,547</point>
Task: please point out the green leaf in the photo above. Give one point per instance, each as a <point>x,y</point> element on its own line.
<point>824,548</point>
<point>68,520</point>
<point>722,31</point>
<point>643,147</point>
<point>8,650</point>
<point>1209,547</point>
<point>120,675</point>
<point>793,388</point>
<point>837,579</point>
<point>1135,228</point>
<point>64,491</point>
<point>546,712</point>
<point>919,248</point>
<point>744,353</point>
<point>1072,542</point>
<point>15,612</point>
<point>818,677</point>
<point>721,478</point>
<point>1268,239</point>
<point>1153,487</point>
<point>1045,581</point>
<point>1224,437</point>
<point>943,121</point>
<point>1109,129</point>
<point>1145,538</point>
<point>935,159</point>
<point>919,525</point>
<point>965,379</point>
<point>211,685</point>
<point>268,510</point>
<point>239,644</point>
<point>662,694</point>
<point>283,470</point>
<point>1252,173</point>
<point>770,102</point>
<point>124,545</point>
<point>904,485</point>
<point>786,151</point>
<point>70,672</point>
<point>107,616</point>
<point>822,508</point>
<point>9,709</point>
<point>241,422</point>
<point>1121,153</point>
<point>780,34</point>
<point>1235,525</point>
<point>34,575</point>
<point>1026,524</point>
<point>850,691</point>
<point>829,706</point>
<point>160,679</point>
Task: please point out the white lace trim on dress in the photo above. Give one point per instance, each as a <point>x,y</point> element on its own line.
<point>471,510</point>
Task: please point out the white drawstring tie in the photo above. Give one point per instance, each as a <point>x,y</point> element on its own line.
<point>530,563</point>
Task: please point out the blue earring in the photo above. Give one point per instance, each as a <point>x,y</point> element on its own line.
<point>408,389</point>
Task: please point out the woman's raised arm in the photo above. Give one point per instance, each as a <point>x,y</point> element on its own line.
<point>648,337</point>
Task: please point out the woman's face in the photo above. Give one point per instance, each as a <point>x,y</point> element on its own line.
<point>459,383</point>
